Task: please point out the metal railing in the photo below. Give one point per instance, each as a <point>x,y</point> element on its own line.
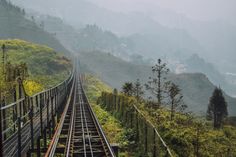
<point>148,138</point>
<point>79,132</point>
<point>30,118</point>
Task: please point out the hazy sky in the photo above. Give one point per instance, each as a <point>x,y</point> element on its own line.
<point>196,9</point>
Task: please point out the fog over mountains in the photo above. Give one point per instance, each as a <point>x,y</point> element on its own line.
<point>173,30</point>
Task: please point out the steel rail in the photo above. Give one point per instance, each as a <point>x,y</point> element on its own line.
<point>97,122</point>
<point>52,146</point>
<point>72,122</point>
<point>86,124</point>
<point>82,126</point>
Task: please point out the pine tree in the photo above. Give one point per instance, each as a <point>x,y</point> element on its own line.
<point>217,108</point>
<point>127,88</point>
<point>176,98</point>
<point>138,90</point>
<point>157,84</point>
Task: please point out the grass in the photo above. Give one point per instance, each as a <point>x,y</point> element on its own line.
<point>186,134</point>
<point>113,129</point>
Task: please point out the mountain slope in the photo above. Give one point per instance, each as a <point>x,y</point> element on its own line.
<point>143,34</point>
<point>196,87</point>
<point>45,66</point>
<point>14,25</point>
<point>195,64</point>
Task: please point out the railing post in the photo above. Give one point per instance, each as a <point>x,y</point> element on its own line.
<point>14,108</point>
<point>45,138</point>
<point>1,139</point>
<point>4,118</point>
<point>57,104</point>
<point>41,113</point>
<point>131,119</point>
<point>37,101</point>
<point>126,117</point>
<point>47,107</point>
<point>154,143</point>
<point>118,103</point>
<point>137,127</point>
<point>19,136</point>
<point>38,147</point>
<point>32,125</point>
<point>146,142</point>
<point>24,109</point>
<point>20,96</point>
<point>52,110</point>
<point>114,106</point>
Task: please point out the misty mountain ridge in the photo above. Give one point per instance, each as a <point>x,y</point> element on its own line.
<point>196,87</point>
<point>163,42</point>
<point>13,24</point>
<point>131,48</point>
<point>211,40</point>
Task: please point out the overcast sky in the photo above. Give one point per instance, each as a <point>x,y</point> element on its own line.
<point>196,9</point>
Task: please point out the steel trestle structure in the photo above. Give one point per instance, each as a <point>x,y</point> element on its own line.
<point>78,133</point>
<point>62,115</point>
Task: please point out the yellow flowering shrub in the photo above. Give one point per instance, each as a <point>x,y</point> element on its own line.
<point>32,87</point>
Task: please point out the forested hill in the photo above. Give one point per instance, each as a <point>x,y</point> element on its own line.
<point>14,25</point>
<point>196,88</point>
<point>45,67</point>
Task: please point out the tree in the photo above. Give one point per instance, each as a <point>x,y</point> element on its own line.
<point>176,98</point>
<point>127,88</point>
<point>156,84</point>
<point>115,91</point>
<point>217,108</point>
<point>138,90</point>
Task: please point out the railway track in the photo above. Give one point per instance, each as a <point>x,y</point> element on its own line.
<point>78,133</point>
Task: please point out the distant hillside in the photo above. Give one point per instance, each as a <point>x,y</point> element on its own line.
<point>114,71</point>
<point>93,37</point>
<point>196,64</point>
<point>45,65</point>
<point>197,89</point>
<point>13,25</point>
<point>140,34</point>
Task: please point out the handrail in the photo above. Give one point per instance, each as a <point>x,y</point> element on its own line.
<point>19,127</point>
<point>12,104</point>
<point>150,123</point>
<point>142,116</point>
<point>44,91</point>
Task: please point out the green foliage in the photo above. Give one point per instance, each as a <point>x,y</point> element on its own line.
<point>32,87</point>
<point>138,90</point>
<point>186,135</point>
<point>217,108</point>
<point>127,88</point>
<point>196,88</point>
<point>157,82</point>
<point>45,67</point>
<point>111,126</point>
<point>94,87</point>
<point>128,138</point>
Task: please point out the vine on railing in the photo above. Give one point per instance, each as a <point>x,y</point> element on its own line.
<point>149,140</point>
